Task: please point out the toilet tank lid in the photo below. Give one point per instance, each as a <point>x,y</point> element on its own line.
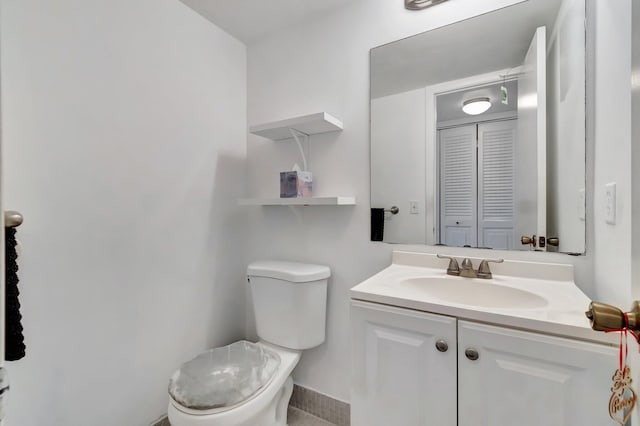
<point>288,271</point>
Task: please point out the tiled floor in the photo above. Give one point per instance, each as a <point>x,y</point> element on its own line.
<point>296,418</point>
<point>301,418</point>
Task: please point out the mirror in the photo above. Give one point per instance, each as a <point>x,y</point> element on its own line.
<point>478,132</point>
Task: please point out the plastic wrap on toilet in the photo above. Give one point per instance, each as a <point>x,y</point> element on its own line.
<point>224,376</point>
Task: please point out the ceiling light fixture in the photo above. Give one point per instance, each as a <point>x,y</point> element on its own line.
<point>421,4</point>
<point>476,106</point>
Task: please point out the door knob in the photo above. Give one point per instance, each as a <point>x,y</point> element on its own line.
<point>525,240</point>
<point>472,354</point>
<point>442,345</point>
<point>393,210</point>
<point>553,241</point>
<point>605,318</point>
<point>12,219</point>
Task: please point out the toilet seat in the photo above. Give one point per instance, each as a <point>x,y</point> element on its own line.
<point>288,358</point>
<point>196,412</point>
<point>225,377</point>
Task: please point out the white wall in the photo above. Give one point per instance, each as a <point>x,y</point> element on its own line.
<point>324,65</point>
<point>635,179</point>
<point>124,128</point>
<point>612,128</point>
<point>398,159</point>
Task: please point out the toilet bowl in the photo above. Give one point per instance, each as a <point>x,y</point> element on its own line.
<point>267,407</point>
<point>247,384</point>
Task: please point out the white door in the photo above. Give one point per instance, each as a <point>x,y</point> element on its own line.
<point>528,379</point>
<point>496,184</point>
<point>458,186</point>
<point>2,283</point>
<point>531,154</point>
<point>400,377</point>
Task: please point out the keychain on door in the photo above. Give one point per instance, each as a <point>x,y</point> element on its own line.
<point>623,397</point>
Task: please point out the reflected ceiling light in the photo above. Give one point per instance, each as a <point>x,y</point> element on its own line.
<point>476,106</point>
<point>421,4</point>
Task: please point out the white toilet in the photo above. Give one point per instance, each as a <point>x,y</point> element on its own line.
<point>247,384</point>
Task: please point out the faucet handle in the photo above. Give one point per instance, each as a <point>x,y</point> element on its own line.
<point>483,269</point>
<point>453,268</point>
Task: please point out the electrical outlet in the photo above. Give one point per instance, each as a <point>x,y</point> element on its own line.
<point>413,207</point>
<point>610,203</point>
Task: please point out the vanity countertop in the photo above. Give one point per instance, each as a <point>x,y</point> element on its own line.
<point>540,297</point>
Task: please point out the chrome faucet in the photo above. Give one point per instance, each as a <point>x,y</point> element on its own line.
<point>467,271</point>
<point>453,268</point>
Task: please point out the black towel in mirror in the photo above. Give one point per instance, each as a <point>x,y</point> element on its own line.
<point>14,339</point>
<point>377,224</point>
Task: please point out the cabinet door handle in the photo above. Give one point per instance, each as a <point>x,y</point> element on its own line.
<point>472,354</point>
<point>442,346</point>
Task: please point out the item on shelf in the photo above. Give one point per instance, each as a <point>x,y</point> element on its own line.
<point>296,184</point>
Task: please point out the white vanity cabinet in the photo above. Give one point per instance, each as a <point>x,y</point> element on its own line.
<point>401,378</point>
<point>531,379</point>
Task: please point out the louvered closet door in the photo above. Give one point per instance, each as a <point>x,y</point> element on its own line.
<point>458,186</point>
<point>496,184</point>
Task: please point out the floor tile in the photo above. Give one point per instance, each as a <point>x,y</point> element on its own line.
<point>298,417</point>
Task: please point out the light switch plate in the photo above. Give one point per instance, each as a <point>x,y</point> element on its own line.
<point>610,203</point>
<point>413,207</point>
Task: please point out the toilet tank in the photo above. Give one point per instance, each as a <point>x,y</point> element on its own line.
<point>290,302</point>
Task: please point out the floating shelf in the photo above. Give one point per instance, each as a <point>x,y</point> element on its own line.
<point>313,124</point>
<point>315,201</point>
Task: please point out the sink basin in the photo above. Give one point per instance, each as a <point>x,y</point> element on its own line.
<point>474,292</point>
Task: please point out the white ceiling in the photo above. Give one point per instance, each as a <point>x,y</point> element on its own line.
<point>449,105</point>
<point>249,20</point>
<point>494,41</point>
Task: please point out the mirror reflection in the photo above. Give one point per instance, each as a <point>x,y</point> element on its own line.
<point>478,132</point>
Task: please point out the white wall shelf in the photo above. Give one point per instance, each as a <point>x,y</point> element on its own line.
<point>315,201</point>
<point>312,124</point>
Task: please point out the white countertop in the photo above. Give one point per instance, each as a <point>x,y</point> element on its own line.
<point>563,314</point>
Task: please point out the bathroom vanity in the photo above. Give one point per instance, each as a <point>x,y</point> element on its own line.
<point>434,349</point>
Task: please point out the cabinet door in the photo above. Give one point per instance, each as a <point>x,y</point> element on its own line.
<point>529,379</point>
<point>399,376</point>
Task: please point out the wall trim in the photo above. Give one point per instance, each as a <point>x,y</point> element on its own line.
<point>320,405</point>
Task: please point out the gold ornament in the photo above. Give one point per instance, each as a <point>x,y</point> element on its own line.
<point>623,397</point>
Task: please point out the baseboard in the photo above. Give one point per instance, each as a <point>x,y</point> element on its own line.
<point>320,405</point>
<point>162,421</point>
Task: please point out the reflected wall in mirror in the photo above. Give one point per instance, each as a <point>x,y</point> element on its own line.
<point>478,131</point>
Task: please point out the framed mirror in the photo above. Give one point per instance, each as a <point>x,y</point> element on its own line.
<point>478,132</point>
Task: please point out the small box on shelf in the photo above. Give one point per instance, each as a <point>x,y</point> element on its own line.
<point>296,184</point>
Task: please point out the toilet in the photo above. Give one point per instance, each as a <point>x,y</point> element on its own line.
<point>250,384</point>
